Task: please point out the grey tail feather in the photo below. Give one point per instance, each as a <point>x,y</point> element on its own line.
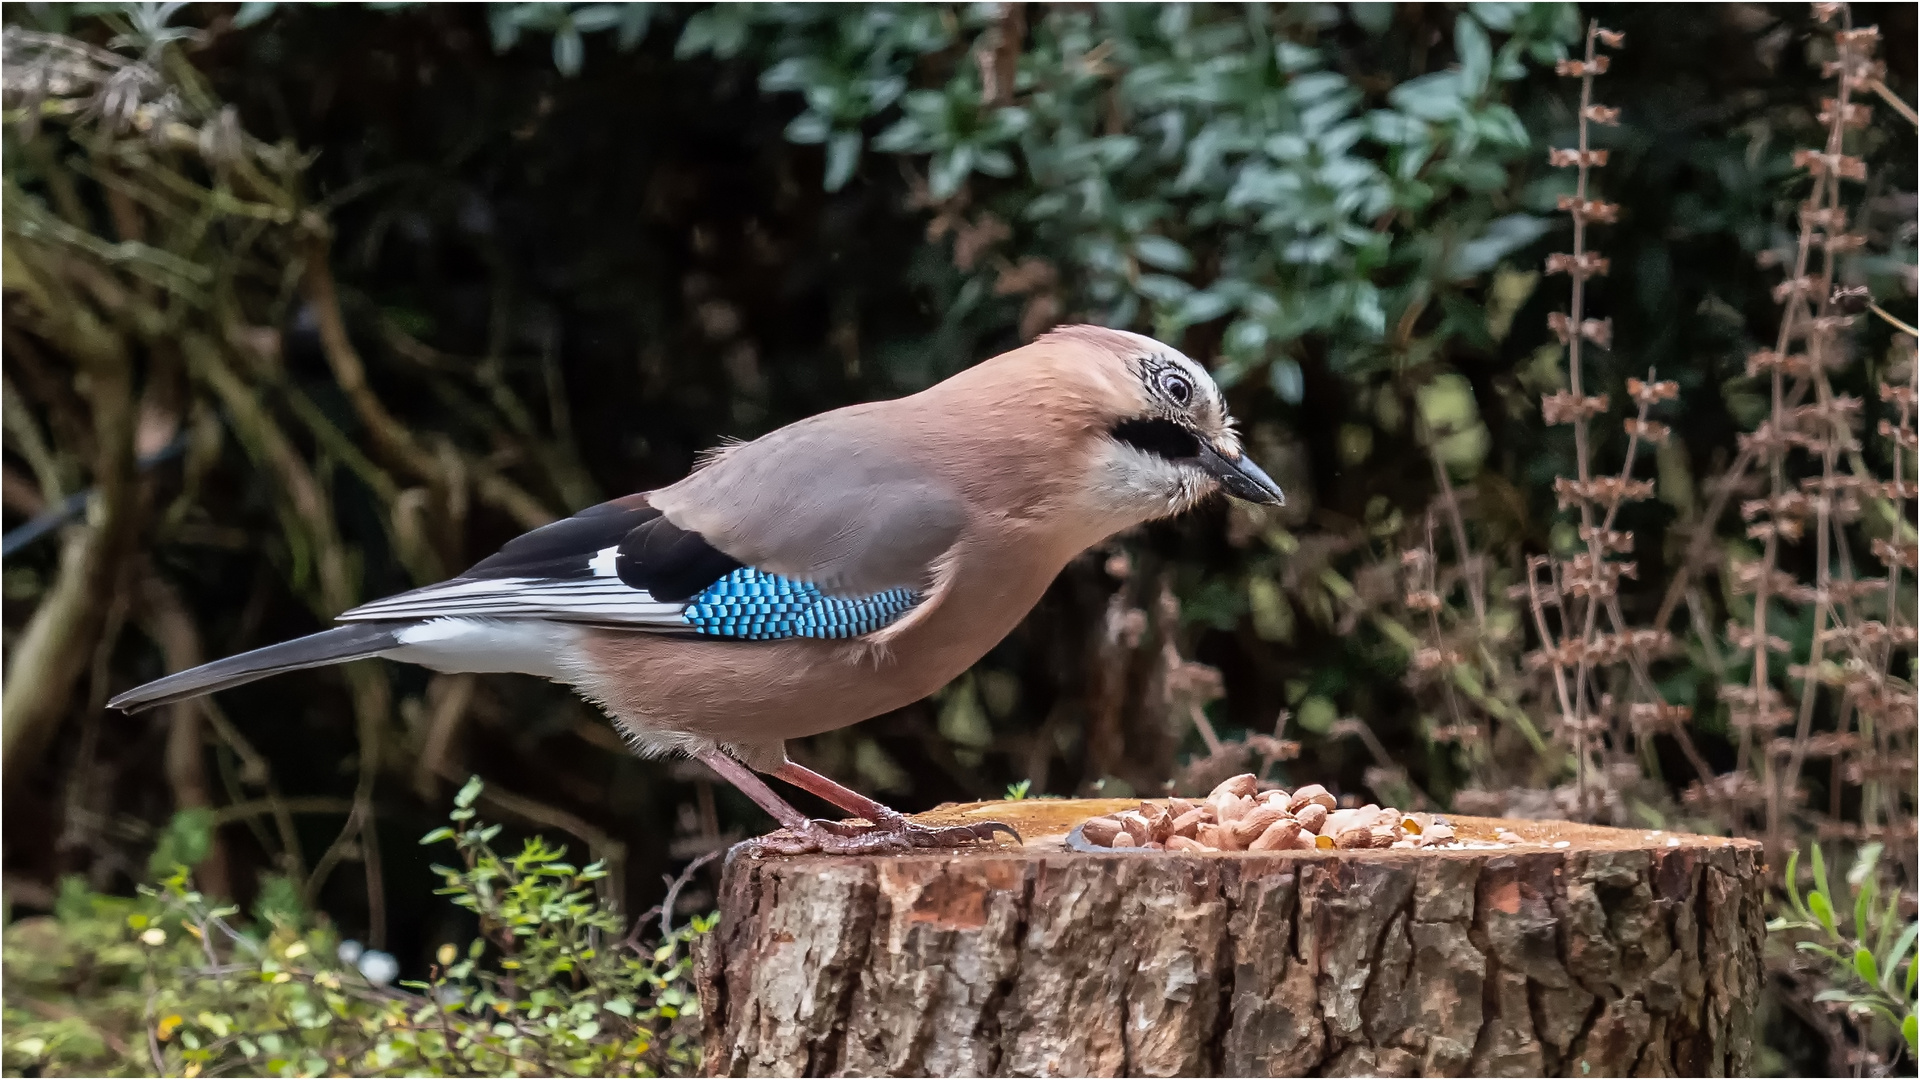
<point>356,641</point>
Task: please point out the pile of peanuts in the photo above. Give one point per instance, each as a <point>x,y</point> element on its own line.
<point>1238,816</point>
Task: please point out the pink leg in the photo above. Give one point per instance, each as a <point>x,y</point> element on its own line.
<point>753,788</point>
<point>890,831</point>
<point>843,797</point>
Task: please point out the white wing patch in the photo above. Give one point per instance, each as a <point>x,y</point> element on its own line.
<point>595,600</point>
<point>605,562</point>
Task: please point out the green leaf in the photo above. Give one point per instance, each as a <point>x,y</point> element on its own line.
<point>843,155</point>
<point>1502,237</point>
<point>569,51</point>
<point>1891,962</point>
<point>1864,966</point>
<point>1793,885</point>
<point>1476,54</point>
<point>469,792</point>
<point>1498,17</point>
<point>1910,1027</point>
<point>184,842</point>
<point>1287,380</point>
<point>809,129</point>
<point>1827,894</point>
<point>1862,908</point>
<point>1162,253</point>
<point>1822,910</point>
<point>1316,715</point>
<point>1375,19</point>
<point>1163,288</point>
<point>251,12</point>
<point>635,17</point>
<point>1430,97</point>
<point>596,17</point>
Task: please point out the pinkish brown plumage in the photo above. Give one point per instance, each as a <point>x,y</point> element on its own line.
<point>825,573</point>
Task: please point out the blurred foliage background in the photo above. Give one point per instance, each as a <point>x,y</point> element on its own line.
<point>308,304</point>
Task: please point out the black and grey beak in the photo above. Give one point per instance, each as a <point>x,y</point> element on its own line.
<point>1240,477</point>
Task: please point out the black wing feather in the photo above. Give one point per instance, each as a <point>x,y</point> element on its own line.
<point>550,572</point>
<point>563,550</point>
<point>671,563</point>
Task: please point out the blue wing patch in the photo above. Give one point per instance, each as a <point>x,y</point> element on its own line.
<point>752,605</point>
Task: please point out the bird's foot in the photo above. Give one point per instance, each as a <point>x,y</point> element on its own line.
<point>846,838</point>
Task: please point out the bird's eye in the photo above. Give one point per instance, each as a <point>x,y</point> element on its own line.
<point>1176,387</point>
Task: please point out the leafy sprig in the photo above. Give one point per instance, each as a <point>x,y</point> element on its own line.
<point>1867,940</point>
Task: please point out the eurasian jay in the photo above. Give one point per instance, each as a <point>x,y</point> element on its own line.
<point>833,570</point>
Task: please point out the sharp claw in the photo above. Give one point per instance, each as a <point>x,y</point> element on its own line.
<point>999,827</point>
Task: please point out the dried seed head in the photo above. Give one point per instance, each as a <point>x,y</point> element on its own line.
<point>1845,166</point>
<point>1566,407</point>
<point>1651,431</point>
<point>1584,265</point>
<point>1852,300</point>
<point>1577,68</point>
<point>1652,393</point>
<point>1560,158</point>
<point>1595,210</point>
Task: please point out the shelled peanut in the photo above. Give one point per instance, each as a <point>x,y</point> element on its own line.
<point>1237,816</point>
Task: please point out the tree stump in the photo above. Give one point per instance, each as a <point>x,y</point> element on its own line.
<point>1579,951</point>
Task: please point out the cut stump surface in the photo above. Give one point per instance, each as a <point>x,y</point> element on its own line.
<point>1577,951</point>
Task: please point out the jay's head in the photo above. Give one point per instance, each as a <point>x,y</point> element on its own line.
<point>1163,439</point>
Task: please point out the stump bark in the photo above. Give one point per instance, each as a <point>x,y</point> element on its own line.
<point>1579,951</point>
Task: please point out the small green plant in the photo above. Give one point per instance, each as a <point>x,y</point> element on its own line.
<point>164,984</point>
<point>1858,947</point>
<point>1016,792</point>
